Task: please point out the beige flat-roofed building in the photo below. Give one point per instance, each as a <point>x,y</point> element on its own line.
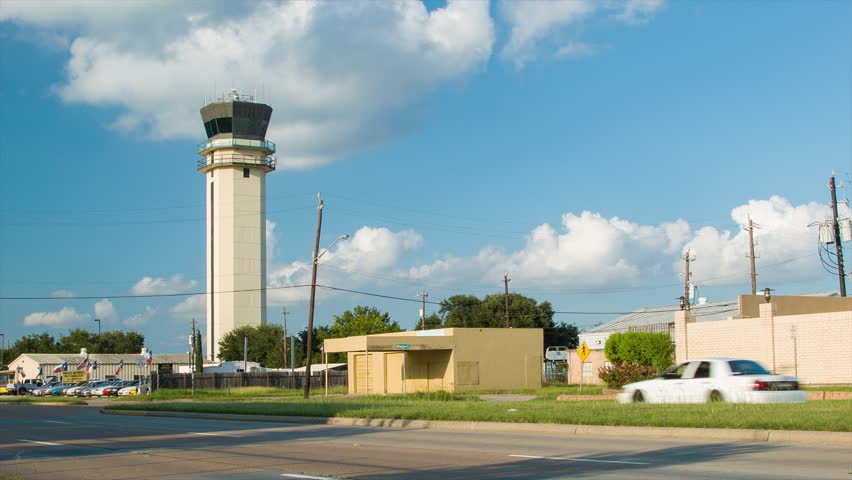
<point>449,359</point>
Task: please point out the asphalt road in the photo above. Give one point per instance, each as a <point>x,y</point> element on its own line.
<point>53,442</point>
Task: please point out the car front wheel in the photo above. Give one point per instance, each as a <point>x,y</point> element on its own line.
<point>716,396</point>
<point>638,397</point>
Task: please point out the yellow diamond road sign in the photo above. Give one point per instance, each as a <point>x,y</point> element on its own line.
<point>583,352</point>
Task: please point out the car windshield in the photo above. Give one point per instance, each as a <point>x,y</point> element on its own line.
<point>746,367</point>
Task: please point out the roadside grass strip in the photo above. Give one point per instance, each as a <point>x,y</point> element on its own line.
<point>821,415</point>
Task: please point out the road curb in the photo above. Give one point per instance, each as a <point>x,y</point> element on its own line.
<point>716,434</point>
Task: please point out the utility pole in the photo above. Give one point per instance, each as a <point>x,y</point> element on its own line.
<point>506,280</point>
<point>284,314</point>
<point>309,338</point>
<point>751,227</point>
<point>686,275</point>
<point>840,268</point>
<point>423,296</point>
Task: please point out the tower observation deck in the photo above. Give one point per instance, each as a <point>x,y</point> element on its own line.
<point>236,159</point>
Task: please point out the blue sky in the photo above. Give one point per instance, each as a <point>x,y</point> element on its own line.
<point>580,146</point>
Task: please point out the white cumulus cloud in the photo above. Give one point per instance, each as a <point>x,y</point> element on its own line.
<point>341,76</point>
<point>105,310</point>
<point>163,286</point>
<point>369,251</point>
<point>544,28</point>
<point>193,307</point>
<point>591,251</point>
<point>67,316</point>
<point>786,246</point>
<point>141,319</point>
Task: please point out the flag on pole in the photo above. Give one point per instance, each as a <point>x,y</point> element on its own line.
<point>150,357</point>
<point>40,372</point>
<point>92,368</point>
<point>61,368</point>
<point>21,372</point>
<point>120,366</point>
<point>82,365</point>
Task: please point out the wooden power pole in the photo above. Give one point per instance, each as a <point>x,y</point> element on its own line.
<point>686,275</point>
<point>751,256</point>
<point>423,296</point>
<point>506,280</point>
<point>309,339</point>
<point>284,314</point>
<point>841,273</point>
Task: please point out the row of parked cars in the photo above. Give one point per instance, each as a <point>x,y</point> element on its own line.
<point>93,388</point>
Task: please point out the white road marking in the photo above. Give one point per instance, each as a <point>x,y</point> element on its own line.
<point>307,477</point>
<point>36,441</point>
<point>54,421</point>
<point>215,434</point>
<point>581,460</point>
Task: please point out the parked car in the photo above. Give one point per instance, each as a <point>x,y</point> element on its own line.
<point>72,391</point>
<point>715,380</point>
<point>138,388</point>
<point>42,390</point>
<point>112,390</point>
<point>57,390</point>
<point>98,390</point>
<point>24,387</point>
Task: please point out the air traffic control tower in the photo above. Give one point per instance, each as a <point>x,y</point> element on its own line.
<point>237,158</point>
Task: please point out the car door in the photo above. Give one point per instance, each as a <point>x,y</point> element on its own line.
<point>696,383</point>
<point>670,388</point>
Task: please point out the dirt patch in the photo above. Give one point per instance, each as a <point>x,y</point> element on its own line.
<point>506,397</point>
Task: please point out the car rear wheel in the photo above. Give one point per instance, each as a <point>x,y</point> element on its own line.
<point>638,397</point>
<point>22,391</point>
<point>716,397</point>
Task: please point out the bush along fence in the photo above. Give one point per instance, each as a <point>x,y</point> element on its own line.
<point>216,381</point>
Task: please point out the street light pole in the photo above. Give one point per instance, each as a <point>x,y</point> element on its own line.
<point>99,326</point>
<point>2,350</point>
<point>316,257</point>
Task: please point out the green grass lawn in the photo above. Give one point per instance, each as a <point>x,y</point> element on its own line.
<point>50,399</point>
<point>827,415</point>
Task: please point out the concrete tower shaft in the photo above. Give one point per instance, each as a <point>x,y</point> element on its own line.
<point>237,158</point>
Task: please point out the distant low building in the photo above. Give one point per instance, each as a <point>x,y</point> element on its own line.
<point>121,366</point>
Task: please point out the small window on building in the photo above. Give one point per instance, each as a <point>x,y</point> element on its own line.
<point>246,172</point>
<point>587,369</point>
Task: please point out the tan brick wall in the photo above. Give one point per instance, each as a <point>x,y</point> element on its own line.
<point>823,344</point>
<point>575,367</point>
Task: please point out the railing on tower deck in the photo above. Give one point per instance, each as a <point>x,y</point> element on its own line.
<point>229,159</point>
<point>235,142</point>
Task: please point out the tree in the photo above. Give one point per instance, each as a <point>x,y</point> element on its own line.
<point>432,321</point>
<point>467,311</point>
<point>462,311</point>
<point>524,312</point>
<point>562,334</point>
<point>115,341</point>
<point>265,345</point>
<point>199,357</point>
<point>362,321</point>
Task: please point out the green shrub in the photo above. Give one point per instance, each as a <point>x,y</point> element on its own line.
<point>620,374</point>
<point>640,348</point>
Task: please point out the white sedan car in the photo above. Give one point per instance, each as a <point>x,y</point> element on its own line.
<point>715,380</point>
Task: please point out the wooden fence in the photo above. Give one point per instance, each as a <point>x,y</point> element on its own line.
<point>253,379</point>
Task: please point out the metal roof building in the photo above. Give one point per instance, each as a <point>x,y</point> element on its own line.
<point>27,365</point>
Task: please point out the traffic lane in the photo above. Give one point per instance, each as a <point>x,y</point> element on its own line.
<point>96,434</point>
